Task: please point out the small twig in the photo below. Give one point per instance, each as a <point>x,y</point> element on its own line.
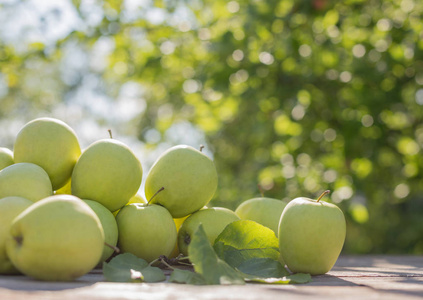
<point>115,249</point>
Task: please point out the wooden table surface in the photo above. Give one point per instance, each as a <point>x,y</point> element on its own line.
<point>353,277</point>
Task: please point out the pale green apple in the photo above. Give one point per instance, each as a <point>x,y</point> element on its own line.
<point>311,235</point>
<point>6,158</point>
<point>59,238</point>
<point>109,224</point>
<point>107,172</point>
<point>214,220</point>
<point>265,211</point>
<point>189,179</point>
<point>51,144</point>
<point>10,207</point>
<point>146,231</point>
<point>25,180</point>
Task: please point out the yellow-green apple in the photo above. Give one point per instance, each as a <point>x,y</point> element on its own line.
<point>6,158</point>
<point>311,235</point>
<point>25,180</point>
<point>10,207</point>
<point>265,211</point>
<point>107,172</point>
<point>58,238</point>
<point>51,144</point>
<point>109,224</point>
<point>146,231</point>
<point>214,220</point>
<point>189,179</point>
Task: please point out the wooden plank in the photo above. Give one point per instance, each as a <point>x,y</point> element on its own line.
<point>369,277</point>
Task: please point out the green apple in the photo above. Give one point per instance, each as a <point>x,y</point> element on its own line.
<point>146,231</point>
<point>311,235</point>
<point>109,224</point>
<point>107,172</point>
<point>10,207</point>
<point>214,220</point>
<point>265,211</point>
<point>25,180</point>
<point>189,179</point>
<point>59,238</point>
<point>51,144</point>
<point>6,158</point>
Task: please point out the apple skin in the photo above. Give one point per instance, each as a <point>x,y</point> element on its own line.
<point>59,238</point>
<point>146,231</point>
<point>51,144</point>
<point>6,158</point>
<point>189,179</point>
<point>25,180</point>
<point>214,220</point>
<point>108,222</point>
<point>311,235</point>
<point>107,172</point>
<point>10,208</point>
<point>265,211</point>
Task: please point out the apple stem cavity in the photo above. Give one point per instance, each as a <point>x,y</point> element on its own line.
<point>19,240</point>
<point>187,239</point>
<point>152,197</point>
<point>323,194</point>
<point>115,249</point>
<point>201,148</point>
<point>110,133</point>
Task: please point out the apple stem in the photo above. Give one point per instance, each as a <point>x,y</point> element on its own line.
<point>323,194</point>
<point>110,133</point>
<point>261,190</point>
<point>161,189</point>
<point>201,148</point>
<point>116,249</point>
<point>19,240</point>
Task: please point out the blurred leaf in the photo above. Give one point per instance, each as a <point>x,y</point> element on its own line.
<point>263,267</point>
<point>129,268</point>
<point>208,264</point>
<point>186,276</point>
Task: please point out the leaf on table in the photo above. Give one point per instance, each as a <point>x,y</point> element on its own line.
<point>186,276</point>
<point>290,279</point>
<point>129,268</point>
<point>243,240</point>
<point>208,264</point>
<point>263,267</point>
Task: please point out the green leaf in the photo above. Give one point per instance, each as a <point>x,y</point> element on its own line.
<point>263,267</point>
<point>244,240</point>
<point>291,279</point>
<point>129,268</point>
<point>185,276</point>
<point>208,264</point>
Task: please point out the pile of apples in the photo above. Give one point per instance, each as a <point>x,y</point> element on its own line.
<point>64,211</point>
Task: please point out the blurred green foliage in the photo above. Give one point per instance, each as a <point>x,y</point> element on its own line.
<point>296,96</point>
